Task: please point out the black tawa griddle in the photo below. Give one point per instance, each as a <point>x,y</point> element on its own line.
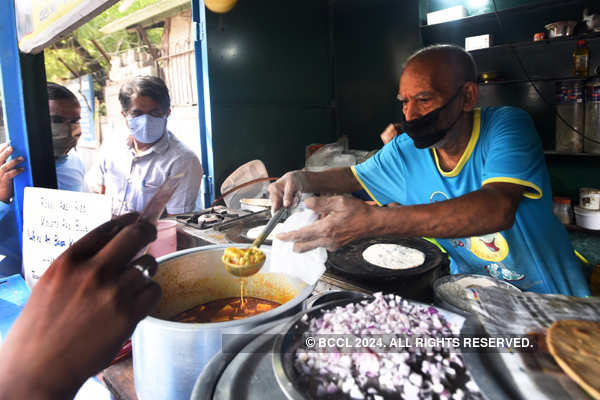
<point>414,283</point>
<point>238,233</point>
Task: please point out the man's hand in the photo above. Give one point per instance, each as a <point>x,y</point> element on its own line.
<point>283,190</point>
<point>388,134</point>
<point>342,220</point>
<point>8,170</point>
<point>80,312</point>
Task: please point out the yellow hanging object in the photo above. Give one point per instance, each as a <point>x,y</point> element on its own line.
<point>220,6</point>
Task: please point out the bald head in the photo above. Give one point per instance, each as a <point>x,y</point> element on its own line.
<point>445,66</point>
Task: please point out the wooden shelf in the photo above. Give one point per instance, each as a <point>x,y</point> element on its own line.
<point>577,228</point>
<point>533,79</point>
<point>563,154</point>
<point>540,43</point>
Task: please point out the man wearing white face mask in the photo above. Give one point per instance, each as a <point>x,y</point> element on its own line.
<point>64,123</point>
<point>132,172</point>
<point>65,113</point>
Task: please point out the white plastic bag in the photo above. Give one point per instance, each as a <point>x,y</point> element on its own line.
<point>308,266</point>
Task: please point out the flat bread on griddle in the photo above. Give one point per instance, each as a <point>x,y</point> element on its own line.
<point>575,346</point>
<point>393,256</point>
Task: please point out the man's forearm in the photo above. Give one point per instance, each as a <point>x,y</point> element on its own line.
<point>476,213</point>
<point>335,180</point>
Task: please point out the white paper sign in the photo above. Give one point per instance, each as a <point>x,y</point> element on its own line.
<point>52,221</point>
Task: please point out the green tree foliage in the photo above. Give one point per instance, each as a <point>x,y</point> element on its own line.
<point>113,44</point>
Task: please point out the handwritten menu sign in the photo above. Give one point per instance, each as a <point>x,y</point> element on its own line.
<point>52,221</point>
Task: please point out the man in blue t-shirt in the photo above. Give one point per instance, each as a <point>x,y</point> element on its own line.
<point>474,179</point>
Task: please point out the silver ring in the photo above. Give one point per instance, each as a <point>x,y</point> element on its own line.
<point>143,270</point>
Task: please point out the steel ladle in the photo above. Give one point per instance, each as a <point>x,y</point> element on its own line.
<point>248,268</point>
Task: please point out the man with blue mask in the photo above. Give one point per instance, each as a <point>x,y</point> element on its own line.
<point>473,178</point>
<point>132,172</point>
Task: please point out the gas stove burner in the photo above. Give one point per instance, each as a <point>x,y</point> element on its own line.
<point>209,217</point>
<point>221,210</point>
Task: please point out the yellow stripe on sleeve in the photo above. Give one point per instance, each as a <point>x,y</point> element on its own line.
<point>364,186</point>
<point>535,192</point>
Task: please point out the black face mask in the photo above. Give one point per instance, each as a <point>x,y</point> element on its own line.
<point>423,130</point>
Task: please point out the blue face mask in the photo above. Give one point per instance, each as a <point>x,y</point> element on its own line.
<point>146,128</point>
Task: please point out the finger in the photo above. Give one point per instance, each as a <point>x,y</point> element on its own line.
<point>131,282</point>
<point>146,300</point>
<point>5,151</point>
<point>125,245</point>
<point>89,244</point>
<point>9,165</point>
<point>289,193</point>
<point>12,173</point>
<point>310,232</point>
<point>275,197</point>
<point>147,262</point>
<point>301,247</point>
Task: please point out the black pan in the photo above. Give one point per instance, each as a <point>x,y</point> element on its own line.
<point>414,283</point>
<point>238,232</point>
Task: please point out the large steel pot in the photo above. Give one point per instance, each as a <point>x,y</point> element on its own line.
<point>168,356</point>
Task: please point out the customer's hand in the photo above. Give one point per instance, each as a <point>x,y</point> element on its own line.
<point>8,170</point>
<point>342,220</point>
<point>283,191</point>
<point>80,312</point>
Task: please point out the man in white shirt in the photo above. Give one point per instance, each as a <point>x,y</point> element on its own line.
<point>132,172</point>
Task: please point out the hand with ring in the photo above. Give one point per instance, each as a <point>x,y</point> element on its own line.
<point>80,312</point>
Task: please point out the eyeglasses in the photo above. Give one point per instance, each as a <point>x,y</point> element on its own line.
<point>153,113</point>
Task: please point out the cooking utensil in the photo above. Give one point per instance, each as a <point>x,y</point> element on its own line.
<point>414,283</point>
<point>251,266</point>
<point>452,300</point>
<point>246,362</point>
<point>298,386</point>
<point>560,28</point>
<point>168,356</point>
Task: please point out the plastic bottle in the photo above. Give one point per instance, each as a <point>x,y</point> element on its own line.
<point>581,59</point>
<point>562,209</point>
<point>592,116</point>
<point>570,107</point>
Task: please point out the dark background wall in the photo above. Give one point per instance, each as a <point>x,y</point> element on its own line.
<point>270,82</point>
<point>287,74</point>
<point>372,40</point>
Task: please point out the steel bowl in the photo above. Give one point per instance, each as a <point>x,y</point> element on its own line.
<point>168,356</point>
<point>560,28</point>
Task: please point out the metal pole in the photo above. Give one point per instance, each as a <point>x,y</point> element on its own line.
<point>204,112</point>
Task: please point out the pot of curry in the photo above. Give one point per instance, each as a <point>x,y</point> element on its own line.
<point>200,302</point>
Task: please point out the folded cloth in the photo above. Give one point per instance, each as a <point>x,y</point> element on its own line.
<point>308,266</point>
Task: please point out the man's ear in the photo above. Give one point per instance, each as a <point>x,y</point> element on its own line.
<point>471,96</point>
<point>168,112</point>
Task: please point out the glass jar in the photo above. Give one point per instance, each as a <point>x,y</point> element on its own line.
<point>562,209</point>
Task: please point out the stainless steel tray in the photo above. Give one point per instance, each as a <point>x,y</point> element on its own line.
<point>247,375</point>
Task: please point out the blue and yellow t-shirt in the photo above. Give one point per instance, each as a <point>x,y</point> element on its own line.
<point>535,254</point>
